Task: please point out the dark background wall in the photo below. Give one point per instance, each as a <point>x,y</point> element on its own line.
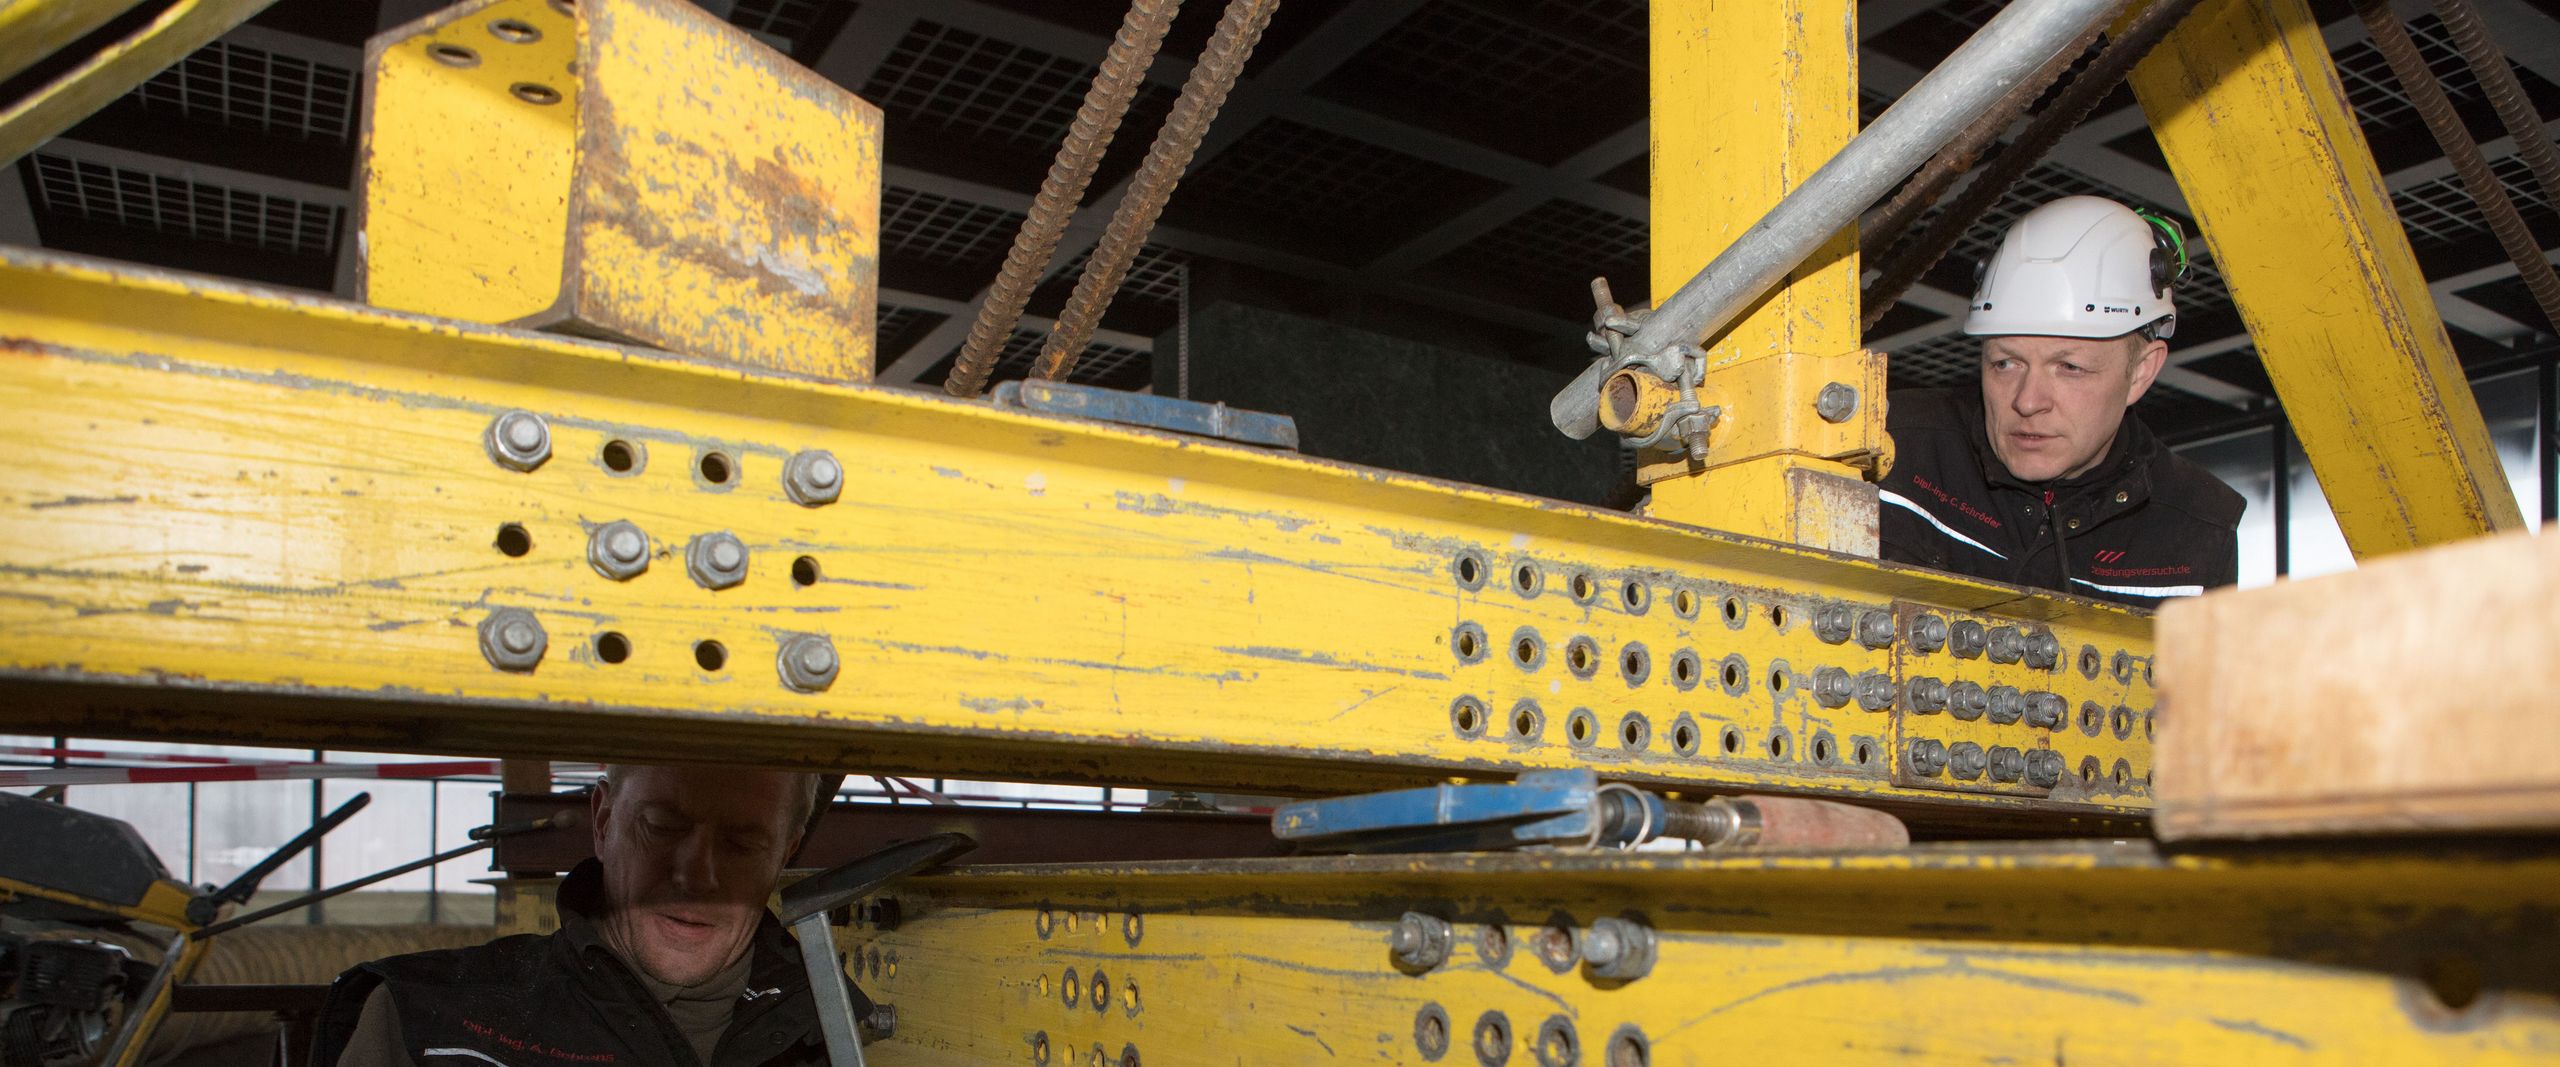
<point>1393,402</point>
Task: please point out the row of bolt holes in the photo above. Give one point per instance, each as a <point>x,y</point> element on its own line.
<point>512,31</point>
<point>621,457</point>
<point>1528,721</point>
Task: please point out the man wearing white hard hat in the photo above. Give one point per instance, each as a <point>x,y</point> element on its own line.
<point>2042,476</point>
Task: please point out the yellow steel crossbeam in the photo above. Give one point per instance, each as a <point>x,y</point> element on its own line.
<point>268,518</point>
<point>2068,953</point>
<point>2247,106</point>
<point>186,25</point>
<point>33,29</point>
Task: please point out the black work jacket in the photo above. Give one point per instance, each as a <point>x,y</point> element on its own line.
<point>564,1000</point>
<point>2140,527</point>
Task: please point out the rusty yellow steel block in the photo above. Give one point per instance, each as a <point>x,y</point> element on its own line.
<point>278,519</point>
<point>635,170</point>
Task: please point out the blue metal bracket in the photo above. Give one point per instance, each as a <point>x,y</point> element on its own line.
<point>1541,808</point>
<point>1153,412</point>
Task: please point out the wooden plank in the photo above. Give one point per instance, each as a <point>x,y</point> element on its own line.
<point>2418,693</point>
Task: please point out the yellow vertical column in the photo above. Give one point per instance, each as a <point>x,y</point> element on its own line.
<point>1749,98</point>
<point>2246,105</point>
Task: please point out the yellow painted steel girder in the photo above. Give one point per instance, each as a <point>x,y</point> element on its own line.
<point>2246,104</point>
<point>33,29</point>
<point>244,515</point>
<point>2077,953</point>
<point>1748,101</point>
<point>186,25</point>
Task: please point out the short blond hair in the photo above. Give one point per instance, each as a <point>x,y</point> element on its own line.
<point>808,792</point>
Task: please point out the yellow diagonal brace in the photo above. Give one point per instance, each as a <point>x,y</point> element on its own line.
<point>1748,100</point>
<point>33,29</point>
<point>2246,104</point>
<point>186,26</point>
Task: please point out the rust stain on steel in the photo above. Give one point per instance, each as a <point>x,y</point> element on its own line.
<point>1292,655</point>
<point>83,501</point>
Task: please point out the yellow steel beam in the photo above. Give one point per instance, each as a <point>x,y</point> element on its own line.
<point>2068,953</point>
<point>57,105</point>
<point>1748,100</point>
<point>2246,104</point>
<point>33,29</point>
<point>266,517</point>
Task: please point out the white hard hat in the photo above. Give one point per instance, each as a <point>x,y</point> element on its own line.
<point>2081,266</point>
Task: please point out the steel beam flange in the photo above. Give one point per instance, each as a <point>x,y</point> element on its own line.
<point>813,478</point>
<point>716,560</point>
<point>512,639</point>
<point>518,440</point>
<point>619,550</point>
<point>807,662</point>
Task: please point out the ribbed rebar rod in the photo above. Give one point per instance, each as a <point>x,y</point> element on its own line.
<point>1239,29</point>
<point>2506,94</point>
<point>1106,101</point>
<point>1885,224</point>
<point>2060,117</point>
<point>2419,82</point>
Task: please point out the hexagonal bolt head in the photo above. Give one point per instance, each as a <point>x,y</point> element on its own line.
<point>2045,710</point>
<point>1876,629</point>
<point>2044,768</point>
<point>1928,633</point>
<point>1831,686</point>
<point>716,560</point>
<point>1832,623</point>
<point>1966,760</point>
<point>807,662</point>
<point>1618,950</point>
<point>2007,645</point>
<point>882,1022</point>
<point>619,550</point>
<point>518,440</point>
<point>813,478</point>
<point>2043,650</point>
<point>1928,696</point>
<point>1966,638</point>
<point>1420,942</point>
<point>1925,757</point>
<point>1836,402</point>
<point>1967,701</point>
<point>2005,704</point>
<point>2007,764</point>
<point>1875,691</point>
<point>512,639</point>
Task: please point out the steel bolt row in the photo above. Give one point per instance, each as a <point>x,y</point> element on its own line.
<point>1837,623</point>
<point>1968,761</point>
<point>511,639</point>
<point>1613,949</point>
<point>521,441</point>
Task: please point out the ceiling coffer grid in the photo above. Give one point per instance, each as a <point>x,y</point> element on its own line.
<point>966,81</point>
<point>252,88</point>
<point>1563,233</point>
<point>174,205</point>
<point>1099,361</point>
<point>1464,52</point>
<point>939,229</point>
<point>1155,276</point>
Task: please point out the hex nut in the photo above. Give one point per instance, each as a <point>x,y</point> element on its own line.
<point>1832,623</point>
<point>1831,687</point>
<point>512,639</point>
<point>2007,645</point>
<point>1618,950</point>
<point>2045,710</point>
<point>2007,764</point>
<point>1875,629</point>
<point>1928,696</point>
<point>807,662</point>
<point>716,560</point>
<point>813,478</point>
<point>619,550</point>
<point>2044,768</point>
<point>1966,638</point>
<point>1875,691</point>
<point>1420,942</point>
<point>2043,650</point>
<point>1836,402</point>
<point>518,440</point>
<point>1967,701</point>
<point>1966,760</point>
<point>1926,757</point>
<point>1928,633</point>
<point>2005,704</point>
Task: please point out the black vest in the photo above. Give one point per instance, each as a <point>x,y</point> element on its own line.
<point>2142,526</point>
<point>564,1000</point>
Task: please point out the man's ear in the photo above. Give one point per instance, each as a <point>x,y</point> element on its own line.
<point>2147,361</point>
<point>599,808</point>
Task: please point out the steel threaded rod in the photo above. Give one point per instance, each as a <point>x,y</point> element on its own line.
<point>2066,112</point>
<point>1239,29</point>
<point>2410,68</point>
<point>2506,94</point>
<point>1106,102</point>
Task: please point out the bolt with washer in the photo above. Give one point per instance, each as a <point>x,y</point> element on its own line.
<point>1927,758</point>
<point>1875,629</point>
<point>512,639</point>
<point>807,662</point>
<point>1928,696</point>
<point>2005,704</point>
<point>2043,650</point>
<point>618,550</point>
<point>1875,691</point>
<point>1831,686</point>
<point>813,478</point>
<point>1833,622</point>
<point>1928,633</point>
<point>1966,760</point>
<point>1618,950</point>
<point>518,440</point>
<point>1836,402</point>
<point>2045,710</point>
<point>2006,645</point>
<point>2044,768</point>
<point>2007,764</point>
<point>1967,701</point>
<point>716,560</point>
<point>1420,942</point>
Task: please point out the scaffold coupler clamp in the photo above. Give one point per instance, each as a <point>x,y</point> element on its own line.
<point>1648,396</point>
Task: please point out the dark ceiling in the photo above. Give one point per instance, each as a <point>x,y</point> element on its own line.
<point>1453,167</point>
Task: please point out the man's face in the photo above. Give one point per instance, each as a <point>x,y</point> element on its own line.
<point>690,855</point>
<point>2052,404</point>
